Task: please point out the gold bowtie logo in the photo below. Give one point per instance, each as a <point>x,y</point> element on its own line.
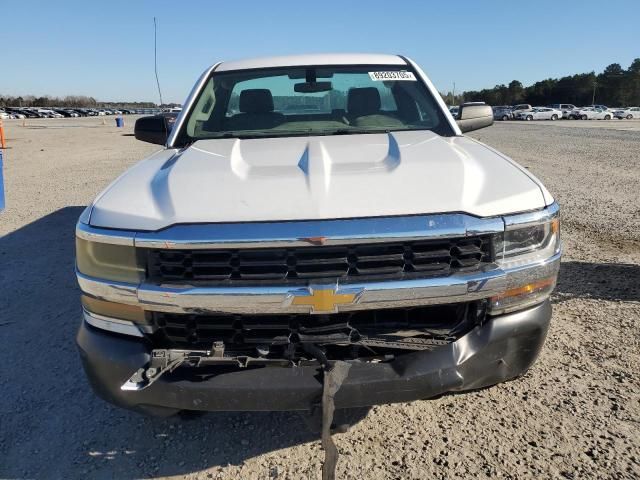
<point>325,299</point>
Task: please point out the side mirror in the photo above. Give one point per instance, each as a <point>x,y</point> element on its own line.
<point>474,117</point>
<point>154,129</point>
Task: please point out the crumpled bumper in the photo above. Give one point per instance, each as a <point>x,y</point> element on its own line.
<point>501,349</point>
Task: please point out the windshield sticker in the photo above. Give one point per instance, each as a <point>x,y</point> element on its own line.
<point>394,75</point>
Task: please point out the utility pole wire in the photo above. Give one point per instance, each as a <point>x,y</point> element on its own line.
<point>155,56</point>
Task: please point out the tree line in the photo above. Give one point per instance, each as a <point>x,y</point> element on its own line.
<point>67,101</point>
<point>614,87</point>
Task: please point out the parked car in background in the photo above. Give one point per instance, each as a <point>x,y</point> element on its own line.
<point>522,107</point>
<point>15,112</point>
<point>5,115</point>
<point>502,112</point>
<point>30,113</point>
<point>627,113</point>
<point>565,108</point>
<point>601,107</point>
<point>65,112</point>
<point>540,113</point>
<point>574,114</point>
<point>454,111</point>
<point>590,113</point>
<point>48,113</point>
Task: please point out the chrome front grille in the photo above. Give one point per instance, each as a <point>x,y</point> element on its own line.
<point>372,260</point>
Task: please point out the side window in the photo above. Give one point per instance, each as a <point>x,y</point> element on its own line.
<point>202,110</point>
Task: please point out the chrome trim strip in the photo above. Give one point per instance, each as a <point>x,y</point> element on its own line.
<point>531,218</point>
<point>115,325</point>
<point>321,232</point>
<point>108,290</point>
<point>302,233</point>
<point>276,299</point>
<point>105,235</point>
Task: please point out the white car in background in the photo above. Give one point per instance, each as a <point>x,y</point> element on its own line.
<point>566,108</point>
<point>540,113</point>
<point>520,108</point>
<point>49,113</point>
<point>590,113</point>
<point>601,107</point>
<point>628,113</point>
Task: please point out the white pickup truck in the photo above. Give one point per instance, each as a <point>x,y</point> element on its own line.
<point>314,217</point>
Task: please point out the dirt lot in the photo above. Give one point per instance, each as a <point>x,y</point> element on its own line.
<point>576,414</point>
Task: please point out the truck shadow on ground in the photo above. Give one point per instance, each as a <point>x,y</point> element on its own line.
<point>53,426</point>
<point>599,281</point>
<point>51,423</point>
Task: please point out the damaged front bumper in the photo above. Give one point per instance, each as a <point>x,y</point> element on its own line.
<point>500,349</point>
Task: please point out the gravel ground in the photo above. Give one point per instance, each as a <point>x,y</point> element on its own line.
<point>575,414</point>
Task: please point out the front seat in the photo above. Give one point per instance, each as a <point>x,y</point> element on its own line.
<point>363,101</point>
<point>256,111</point>
<point>363,109</point>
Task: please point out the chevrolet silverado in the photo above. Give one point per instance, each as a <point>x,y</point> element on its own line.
<point>308,215</point>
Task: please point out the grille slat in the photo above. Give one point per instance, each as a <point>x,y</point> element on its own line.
<point>420,257</point>
<point>443,321</point>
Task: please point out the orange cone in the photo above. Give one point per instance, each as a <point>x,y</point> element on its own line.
<point>2,140</point>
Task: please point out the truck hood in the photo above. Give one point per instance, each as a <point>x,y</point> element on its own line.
<point>321,177</point>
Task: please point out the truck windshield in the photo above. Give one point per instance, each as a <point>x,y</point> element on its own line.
<point>325,100</point>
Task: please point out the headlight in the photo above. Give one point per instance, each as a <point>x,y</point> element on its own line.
<point>523,252</point>
<point>119,263</point>
<point>528,244</point>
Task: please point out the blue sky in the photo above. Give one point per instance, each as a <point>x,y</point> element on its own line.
<point>105,48</point>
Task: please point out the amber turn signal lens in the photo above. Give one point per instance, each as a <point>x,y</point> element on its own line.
<point>525,289</point>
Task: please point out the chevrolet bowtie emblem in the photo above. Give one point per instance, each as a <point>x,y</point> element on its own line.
<point>325,299</point>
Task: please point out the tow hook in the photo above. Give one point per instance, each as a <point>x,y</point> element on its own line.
<point>159,365</point>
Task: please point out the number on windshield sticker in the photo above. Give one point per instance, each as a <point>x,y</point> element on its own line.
<point>394,75</point>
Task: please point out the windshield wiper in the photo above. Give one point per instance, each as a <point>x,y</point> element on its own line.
<point>351,131</point>
<point>291,133</point>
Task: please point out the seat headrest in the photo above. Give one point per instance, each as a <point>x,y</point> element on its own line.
<point>256,100</point>
<point>363,101</point>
